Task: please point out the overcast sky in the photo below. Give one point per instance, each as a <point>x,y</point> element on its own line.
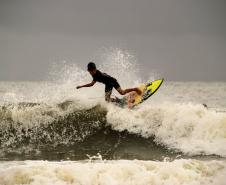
<point>183,40</point>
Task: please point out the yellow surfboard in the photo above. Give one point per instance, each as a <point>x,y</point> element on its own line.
<point>148,89</point>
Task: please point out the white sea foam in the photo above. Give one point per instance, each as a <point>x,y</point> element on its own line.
<point>123,172</point>
<point>190,128</point>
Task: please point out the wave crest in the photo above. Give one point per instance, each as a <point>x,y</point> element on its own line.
<point>38,124</point>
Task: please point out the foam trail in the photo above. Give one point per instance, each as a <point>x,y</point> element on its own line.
<point>189,172</point>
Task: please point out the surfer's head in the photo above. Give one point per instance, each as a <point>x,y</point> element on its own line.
<point>91,67</point>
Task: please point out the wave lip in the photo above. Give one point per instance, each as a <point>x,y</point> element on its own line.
<point>189,172</point>
<point>37,124</point>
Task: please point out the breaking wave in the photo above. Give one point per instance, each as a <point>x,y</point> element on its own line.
<point>59,114</point>
<point>191,129</point>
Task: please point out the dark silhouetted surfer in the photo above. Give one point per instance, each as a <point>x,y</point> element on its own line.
<point>109,82</point>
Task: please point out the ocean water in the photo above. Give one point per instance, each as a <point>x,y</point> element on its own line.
<point>51,133</point>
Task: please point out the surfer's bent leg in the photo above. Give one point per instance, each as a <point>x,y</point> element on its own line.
<point>123,92</point>
<point>108,96</point>
<point>108,91</point>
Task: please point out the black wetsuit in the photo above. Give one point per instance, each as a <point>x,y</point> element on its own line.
<point>106,79</point>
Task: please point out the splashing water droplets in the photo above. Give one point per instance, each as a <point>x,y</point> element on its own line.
<point>121,65</point>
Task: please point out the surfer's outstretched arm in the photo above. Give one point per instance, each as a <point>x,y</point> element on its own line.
<point>86,85</point>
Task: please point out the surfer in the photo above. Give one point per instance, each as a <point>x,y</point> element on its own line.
<point>109,82</point>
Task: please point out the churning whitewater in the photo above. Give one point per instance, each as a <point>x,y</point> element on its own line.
<point>189,172</point>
